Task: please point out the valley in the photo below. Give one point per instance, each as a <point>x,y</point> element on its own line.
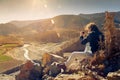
<point>30,40</point>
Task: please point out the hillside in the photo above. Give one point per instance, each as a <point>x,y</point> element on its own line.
<point>8,28</point>
<point>67,21</point>
<point>44,29</point>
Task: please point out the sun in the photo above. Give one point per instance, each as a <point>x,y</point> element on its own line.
<point>34,3</point>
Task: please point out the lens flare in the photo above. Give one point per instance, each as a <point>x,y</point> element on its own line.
<point>52,21</point>
<point>45,5</point>
<point>58,34</point>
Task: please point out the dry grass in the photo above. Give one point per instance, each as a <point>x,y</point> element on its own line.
<point>112,42</point>
<point>9,65</point>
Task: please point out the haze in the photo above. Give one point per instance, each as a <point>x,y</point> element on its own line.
<point>40,9</point>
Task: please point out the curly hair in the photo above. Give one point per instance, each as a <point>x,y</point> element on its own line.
<point>92,26</point>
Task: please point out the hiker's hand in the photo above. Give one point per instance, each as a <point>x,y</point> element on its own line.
<point>82,33</point>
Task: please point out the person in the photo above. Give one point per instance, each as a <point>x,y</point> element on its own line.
<point>91,41</point>
<point>94,37</point>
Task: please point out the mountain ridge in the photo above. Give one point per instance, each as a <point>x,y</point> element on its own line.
<point>61,23</point>
<point>64,20</point>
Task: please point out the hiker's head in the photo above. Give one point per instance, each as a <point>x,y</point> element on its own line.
<point>91,27</point>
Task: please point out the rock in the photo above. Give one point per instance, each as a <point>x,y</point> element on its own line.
<point>49,58</point>
<point>54,70</point>
<point>67,54</point>
<point>46,59</point>
<point>74,66</point>
<point>29,71</point>
<point>73,77</point>
<point>68,77</point>
<point>25,71</point>
<point>47,77</point>
<point>77,61</point>
<point>6,77</point>
<point>114,75</point>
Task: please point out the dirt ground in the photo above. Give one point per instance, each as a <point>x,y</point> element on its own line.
<point>9,65</point>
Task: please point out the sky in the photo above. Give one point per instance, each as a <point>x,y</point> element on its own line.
<point>39,9</point>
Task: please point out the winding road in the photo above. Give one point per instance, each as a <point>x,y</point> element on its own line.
<point>26,54</point>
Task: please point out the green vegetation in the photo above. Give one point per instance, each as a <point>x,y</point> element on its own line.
<point>10,45</point>
<point>3,49</point>
<point>4,58</point>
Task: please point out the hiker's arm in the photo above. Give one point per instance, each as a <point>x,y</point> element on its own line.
<point>85,40</point>
<point>81,36</point>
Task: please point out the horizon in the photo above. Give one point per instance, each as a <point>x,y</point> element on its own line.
<point>51,17</point>
<point>23,10</point>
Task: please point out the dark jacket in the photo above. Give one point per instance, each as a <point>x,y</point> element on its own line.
<point>93,38</point>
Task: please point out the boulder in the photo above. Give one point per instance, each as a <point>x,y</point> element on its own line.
<point>29,71</point>
<point>49,58</point>
<point>54,70</point>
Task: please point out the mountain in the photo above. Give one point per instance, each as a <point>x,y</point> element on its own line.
<point>23,23</point>
<point>65,25</point>
<point>65,21</point>
<point>8,28</point>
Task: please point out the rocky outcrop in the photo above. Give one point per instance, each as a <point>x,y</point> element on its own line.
<point>29,71</point>
<point>114,75</point>
<point>78,76</point>
<point>51,64</point>
<point>49,58</point>
<point>6,77</point>
<point>69,77</point>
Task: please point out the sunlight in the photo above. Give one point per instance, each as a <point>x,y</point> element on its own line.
<point>39,3</point>
<point>45,5</point>
<point>52,21</point>
<point>34,3</point>
<point>58,34</point>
